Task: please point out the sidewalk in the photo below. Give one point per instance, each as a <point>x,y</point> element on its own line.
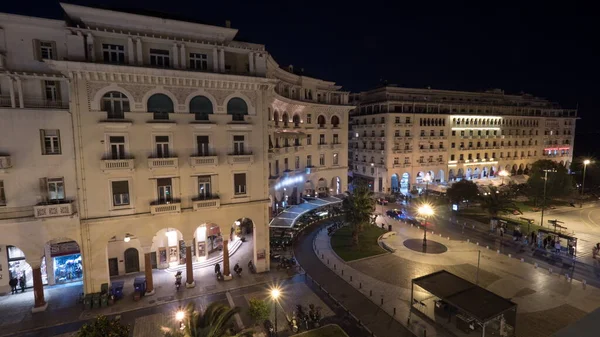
<point>547,302</point>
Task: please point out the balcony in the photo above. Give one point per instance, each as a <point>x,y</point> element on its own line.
<point>336,146</point>
<point>51,209</point>
<point>243,158</point>
<point>5,162</point>
<point>322,146</point>
<point>196,161</point>
<point>34,103</point>
<point>298,147</point>
<point>162,207</point>
<point>206,202</point>
<point>158,163</point>
<point>117,164</point>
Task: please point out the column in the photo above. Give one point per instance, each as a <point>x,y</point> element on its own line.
<point>148,272</point>
<point>20,92</point>
<point>138,54</point>
<point>226,273</point>
<point>183,62</point>
<point>251,62</point>
<point>189,270</point>
<point>11,89</point>
<point>175,56</point>
<point>49,265</point>
<point>215,60</point>
<point>90,48</point>
<point>222,60</point>
<point>130,51</point>
<point>38,288</point>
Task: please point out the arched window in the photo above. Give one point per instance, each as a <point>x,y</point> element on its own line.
<point>296,120</point>
<point>202,107</point>
<point>335,121</point>
<point>115,104</point>
<point>276,117</point>
<point>237,108</point>
<point>161,105</point>
<point>286,119</point>
<point>321,121</point>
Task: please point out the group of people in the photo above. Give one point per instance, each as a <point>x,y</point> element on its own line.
<point>14,282</point>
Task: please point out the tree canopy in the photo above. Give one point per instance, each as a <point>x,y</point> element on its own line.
<point>358,208</point>
<point>215,321</point>
<point>496,202</point>
<point>462,190</point>
<point>559,183</point>
<point>102,326</point>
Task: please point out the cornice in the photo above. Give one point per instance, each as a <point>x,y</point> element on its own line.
<point>304,104</point>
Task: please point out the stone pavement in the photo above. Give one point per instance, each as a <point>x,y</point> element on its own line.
<point>546,302</point>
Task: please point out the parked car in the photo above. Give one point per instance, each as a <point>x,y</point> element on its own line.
<point>382,201</point>
<point>394,213</point>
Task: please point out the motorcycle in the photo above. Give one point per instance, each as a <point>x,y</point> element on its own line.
<point>178,280</point>
<point>293,323</point>
<point>237,269</point>
<point>302,315</point>
<point>219,276</point>
<point>315,315</point>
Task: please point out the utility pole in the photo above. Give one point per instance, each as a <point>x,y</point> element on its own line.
<point>544,199</point>
<point>585,164</point>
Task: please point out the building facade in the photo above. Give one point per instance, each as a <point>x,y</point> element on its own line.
<point>403,138</point>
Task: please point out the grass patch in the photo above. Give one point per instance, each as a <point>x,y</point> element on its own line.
<point>341,242</point>
<point>331,330</point>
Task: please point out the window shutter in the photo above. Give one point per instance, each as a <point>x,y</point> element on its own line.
<point>44,189</point>
<point>36,50</point>
<point>120,187</point>
<point>43,147</point>
<point>54,51</point>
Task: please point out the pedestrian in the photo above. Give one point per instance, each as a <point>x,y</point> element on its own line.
<point>532,237</point>
<point>22,282</point>
<point>217,268</point>
<point>501,230</point>
<point>13,284</point>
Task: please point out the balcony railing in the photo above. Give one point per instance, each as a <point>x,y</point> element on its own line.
<point>108,164</point>
<point>206,201</point>
<point>34,103</point>
<point>156,163</point>
<point>165,206</point>
<point>50,209</point>
<point>336,146</point>
<point>204,161</point>
<point>5,162</point>
<point>240,158</point>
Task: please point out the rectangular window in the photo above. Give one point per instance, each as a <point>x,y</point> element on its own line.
<point>285,164</point>
<point>51,91</point>
<point>164,190</point>
<point>198,61</point>
<point>297,163</point>
<point>308,119</point>
<point>56,189</point>
<point>336,140</point>
<point>162,146</point>
<point>309,160</point>
<point>407,120</point>
<point>204,190</point>
<point>406,160</point>
<point>406,133</point>
<point>397,120</point>
<point>117,147</point>
<point>202,145</point>
<point>335,159</point>
<point>321,139</point>
<point>239,183</point>
<point>120,192</point>
<point>47,50</point>
<point>238,145</point>
<point>2,194</point>
<point>50,142</point>
<point>322,159</point>
<point>113,53</point>
<point>308,139</point>
<point>454,133</point>
<point>276,167</point>
<point>451,157</point>
<point>159,58</point>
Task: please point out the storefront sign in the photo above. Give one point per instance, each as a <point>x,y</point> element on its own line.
<point>64,248</point>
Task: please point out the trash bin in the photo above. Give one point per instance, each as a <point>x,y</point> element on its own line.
<point>104,300</point>
<point>96,300</point>
<point>139,284</point>
<point>87,301</point>
<point>117,289</point>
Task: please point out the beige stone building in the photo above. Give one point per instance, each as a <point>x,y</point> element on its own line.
<point>401,138</point>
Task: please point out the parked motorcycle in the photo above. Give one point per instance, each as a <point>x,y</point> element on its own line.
<point>237,269</point>
<point>315,315</point>
<point>178,280</point>
<point>293,322</point>
<point>302,315</point>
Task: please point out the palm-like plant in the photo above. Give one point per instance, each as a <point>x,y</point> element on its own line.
<point>215,321</point>
<point>358,208</point>
<point>496,202</point>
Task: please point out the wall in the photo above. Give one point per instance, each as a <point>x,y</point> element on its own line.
<point>116,249</point>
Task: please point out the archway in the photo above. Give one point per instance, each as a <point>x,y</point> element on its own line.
<point>322,189</point>
<point>514,170</point>
<point>520,170</point>
<point>420,177</point>
<point>459,174</point>
<point>336,185</point>
<point>169,246</point>
<point>468,174</point>
<point>132,260</point>
<point>63,264</point>
<point>493,171</point>
<point>309,189</point>
<point>116,248</point>
<point>484,172</point>
<point>18,266</point>
<point>451,176</point>
<point>476,173</point>
<point>431,176</point>
<point>441,176</point>
<point>395,183</point>
<point>526,170</point>
<point>405,183</point>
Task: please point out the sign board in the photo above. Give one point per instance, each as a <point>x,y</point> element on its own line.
<point>455,207</point>
<point>64,248</point>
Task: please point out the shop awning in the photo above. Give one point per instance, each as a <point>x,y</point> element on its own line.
<point>287,218</point>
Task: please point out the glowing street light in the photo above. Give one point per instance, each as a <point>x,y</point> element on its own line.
<point>425,211</point>
<point>179,316</point>
<point>275,293</point>
<point>503,174</point>
<point>585,164</point>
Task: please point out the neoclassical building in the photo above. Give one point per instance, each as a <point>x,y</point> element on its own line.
<point>130,142</point>
<point>402,137</point>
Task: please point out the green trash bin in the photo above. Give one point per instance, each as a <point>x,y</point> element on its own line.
<point>96,300</point>
<point>87,301</point>
<point>104,300</point>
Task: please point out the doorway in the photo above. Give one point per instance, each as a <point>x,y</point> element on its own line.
<point>113,266</point>
<point>132,260</point>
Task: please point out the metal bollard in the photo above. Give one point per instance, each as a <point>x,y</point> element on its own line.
<point>394,311</point>
<point>342,272</point>
<point>360,285</point>
<point>334,266</point>
<point>381,300</point>
<point>327,261</point>
<point>350,278</point>
<point>370,292</point>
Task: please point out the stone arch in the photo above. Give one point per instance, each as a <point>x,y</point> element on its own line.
<point>276,117</point>
<point>169,240</point>
<point>493,171</point>
<point>296,120</point>
<point>155,91</point>
<point>336,185</point>
<point>201,92</point>
<point>431,176</point>
<point>514,170</point>
<point>420,176</point>
<point>395,183</point>
<point>322,188</point>
<point>64,263</point>
<point>468,173</point>
<point>484,172</point>
<point>460,174</point>
<point>285,119</point>
<point>476,173</point>
<point>246,99</point>
<point>335,121</point>
<point>441,176</point>
<point>201,106</point>
<point>309,188</point>
<point>96,102</point>
<point>451,175</point>
<point>405,182</point>
<point>520,170</point>
<point>160,103</point>
<point>321,121</point>
<point>238,108</point>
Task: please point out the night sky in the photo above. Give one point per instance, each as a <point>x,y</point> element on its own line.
<point>537,48</point>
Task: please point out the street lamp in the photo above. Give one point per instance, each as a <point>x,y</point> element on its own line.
<point>425,211</point>
<point>275,293</point>
<point>503,174</point>
<point>544,199</point>
<point>179,316</point>
<point>585,164</point>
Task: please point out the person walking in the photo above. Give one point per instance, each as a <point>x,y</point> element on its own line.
<point>217,268</point>
<point>22,282</point>
<point>13,284</point>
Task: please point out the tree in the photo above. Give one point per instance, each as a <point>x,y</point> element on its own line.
<point>215,321</point>
<point>258,310</point>
<point>358,208</point>
<point>559,183</point>
<point>496,202</point>
<point>103,327</point>
<point>462,190</point>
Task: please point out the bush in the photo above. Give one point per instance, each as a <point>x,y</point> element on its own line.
<point>102,327</point>
<point>258,310</point>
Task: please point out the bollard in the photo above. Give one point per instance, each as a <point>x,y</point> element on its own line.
<point>487,247</point>
<point>535,265</point>
<point>370,292</point>
<point>498,251</point>
<point>509,256</point>
<point>431,232</point>
<point>440,234</point>
<point>342,272</point>
<point>522,260</point>
<point>394,311</point>
<point>382,300</point>
<point>350,278</point>
<point>359,285</point>
<point>477,243</point>
<point>448,238</point>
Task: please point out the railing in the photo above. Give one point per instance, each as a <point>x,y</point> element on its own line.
<point>154,163</point>
<point>204,161</point>
<point>322,146</point>
<point>5,162</point>
<point>208,201</point>
<point>336,146</point>
<point>162,206</point>
<point>31,102</point>
<point>49,210</point>
<point>117,164</point>
<point>243,158</point>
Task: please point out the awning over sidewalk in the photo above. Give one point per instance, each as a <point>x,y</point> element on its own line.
<point>287,218</point>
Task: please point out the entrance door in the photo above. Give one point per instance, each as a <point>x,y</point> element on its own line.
<point>113,267</point>
<point>132,260</point>
<point>153,260</point>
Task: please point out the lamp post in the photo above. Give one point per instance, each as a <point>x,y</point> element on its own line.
<point>425,211</point>
<point>585,164</point>
<point>179,316</point>
<point>275,293</point>
<point>544,198</point>
<point>503,174</point>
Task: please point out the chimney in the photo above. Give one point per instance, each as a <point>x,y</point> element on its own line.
<point>227,23</point>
